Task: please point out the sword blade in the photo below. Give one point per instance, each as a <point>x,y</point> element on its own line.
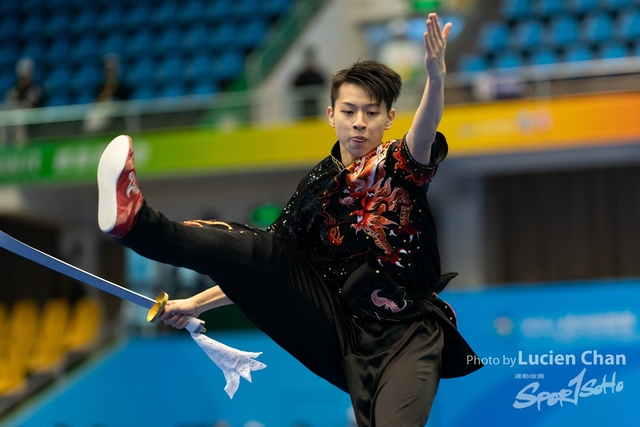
<point>17,247</point>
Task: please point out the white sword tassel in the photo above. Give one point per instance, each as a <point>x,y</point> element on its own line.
<point>233,363</point>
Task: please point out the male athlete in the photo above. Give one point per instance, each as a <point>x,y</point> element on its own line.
<point>346,279</point>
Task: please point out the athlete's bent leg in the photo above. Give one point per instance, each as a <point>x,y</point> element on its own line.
<point>394,371</point>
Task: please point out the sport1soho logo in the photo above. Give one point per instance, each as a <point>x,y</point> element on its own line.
<point>577,387</point>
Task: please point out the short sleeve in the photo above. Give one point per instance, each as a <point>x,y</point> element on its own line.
<point>410,168</point>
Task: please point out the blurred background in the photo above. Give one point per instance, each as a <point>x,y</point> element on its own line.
<point>537,205</point>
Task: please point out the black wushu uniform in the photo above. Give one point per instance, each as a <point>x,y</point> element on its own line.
<point>345,280</point>
<point>368,230</point>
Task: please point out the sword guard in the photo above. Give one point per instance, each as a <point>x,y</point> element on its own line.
<point>195,325</point>
<point>158,307</point>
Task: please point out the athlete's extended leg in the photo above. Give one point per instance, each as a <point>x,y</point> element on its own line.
<point>281,293</point>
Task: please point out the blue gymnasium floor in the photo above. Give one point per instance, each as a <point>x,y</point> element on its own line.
<point>170,381</point>
<point>556,355</point>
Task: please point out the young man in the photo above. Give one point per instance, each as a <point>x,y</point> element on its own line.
<point>345,279</point>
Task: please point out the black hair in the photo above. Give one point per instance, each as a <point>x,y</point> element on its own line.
<point>378,81</point>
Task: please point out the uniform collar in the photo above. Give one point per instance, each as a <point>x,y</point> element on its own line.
<point>336,157</point>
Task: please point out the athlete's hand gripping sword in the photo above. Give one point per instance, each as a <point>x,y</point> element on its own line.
<point>233,363</point>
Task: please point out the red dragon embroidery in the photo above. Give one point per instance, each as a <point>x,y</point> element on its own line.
<point>388,304</point>
<point>403,164</point>
<point>378,208</point>
<point>369,184</point>
<point>333,230</point>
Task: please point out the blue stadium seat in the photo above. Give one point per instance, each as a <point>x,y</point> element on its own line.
<point>57,25</point>
<point>543,57</point>
<point>143,93</point>
<point>219,10</point>
<point>137,17</point>
<point>173,90</point>
<point>205,88</point>
<point>109,19</point>
<point>32,27</point>
<point>528,34</point>
<point>228,65</point>
<point>470,63</point>
<point>563,31</point>
<point>510,59</point>
<point>171,69</point>
<point>85,97</point>
<point>191,13</point>
<point>612,50</point>
<point>164,14</point>
<point>57,100</point>
<point>9,8</point>
<point>87,79</point>
<point>200,68</point>
<point>413,30</point>
<point>168,41</point>
<point>58,82</point>
<point>84,22</point>
<point>548,8</point>
<point>7,80</point>
<point>31,5</point>
<point>102,5</point>
<point>34,50</point>
<point>139,45</point>
<point>142,73</point>
<point>55,6</point>
<point>8,60</point>
<point>376,34</point>
<point>195,39</point>
<point>112,43</point>
<point>578,58</point>
<point>578,53</point>
<point>59,52</point>
<point>597,27</point>
<point>617,4</point>
<point>224,36</point>
<point>628,25</point>
<point>251,33</point>
<point>244,9</point>
<point>9,31</point>
<point>273,8</point>
<point>493,37</point>
<point>85,50</point>
<point>583,6</point>
<point>516,9</point>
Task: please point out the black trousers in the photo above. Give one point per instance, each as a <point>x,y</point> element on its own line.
<point>390,370</point>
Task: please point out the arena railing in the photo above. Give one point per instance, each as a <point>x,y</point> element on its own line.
<point>279,106</point>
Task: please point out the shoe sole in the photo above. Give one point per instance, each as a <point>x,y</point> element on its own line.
<point>112,162</point>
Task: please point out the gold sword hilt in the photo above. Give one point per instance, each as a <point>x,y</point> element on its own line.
<point>195,325</point>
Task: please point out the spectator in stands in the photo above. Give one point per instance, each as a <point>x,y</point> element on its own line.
<point>25,94</point>
<point>346,279</point>
<point>112,88</point>
<point>309,82</point>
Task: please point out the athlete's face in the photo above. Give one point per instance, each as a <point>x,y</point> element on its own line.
<point>359,122</point>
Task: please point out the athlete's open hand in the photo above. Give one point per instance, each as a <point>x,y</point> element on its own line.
<point>435,43</point>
